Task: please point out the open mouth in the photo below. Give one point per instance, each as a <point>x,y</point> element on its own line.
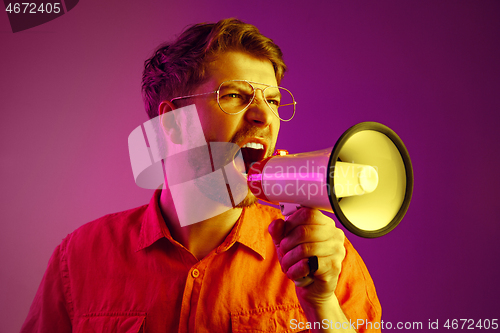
<point>252,152</point>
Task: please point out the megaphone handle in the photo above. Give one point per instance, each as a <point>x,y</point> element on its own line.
<point>288,209</point>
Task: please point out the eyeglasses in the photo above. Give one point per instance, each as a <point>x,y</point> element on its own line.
<point>235,96</point>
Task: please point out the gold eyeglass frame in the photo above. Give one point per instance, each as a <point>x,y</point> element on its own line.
<point>251,100</point>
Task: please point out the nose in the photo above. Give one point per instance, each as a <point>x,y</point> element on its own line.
<point>259,113</point>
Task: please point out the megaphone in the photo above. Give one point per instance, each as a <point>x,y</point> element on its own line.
<point>366,180</point>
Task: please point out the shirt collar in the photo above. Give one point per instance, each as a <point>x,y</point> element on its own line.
<point>153,225</point>
<point>250,230</point>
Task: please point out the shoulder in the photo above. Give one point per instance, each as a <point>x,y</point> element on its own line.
<point>120,227</point>
<point>356,289</point>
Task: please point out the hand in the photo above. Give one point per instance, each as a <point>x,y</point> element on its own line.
<point>304,234</point>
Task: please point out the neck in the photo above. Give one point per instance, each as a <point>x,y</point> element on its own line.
<point>202,237</point>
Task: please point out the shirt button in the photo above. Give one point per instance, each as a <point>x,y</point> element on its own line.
<point>195,273</point>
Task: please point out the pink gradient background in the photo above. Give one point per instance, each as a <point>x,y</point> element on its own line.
<point>70,96</point>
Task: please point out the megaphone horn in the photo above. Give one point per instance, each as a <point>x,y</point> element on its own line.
<point>366,179</point>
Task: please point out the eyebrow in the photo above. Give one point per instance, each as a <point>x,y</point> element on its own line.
<point>239,85</point>
<point>273,93</point>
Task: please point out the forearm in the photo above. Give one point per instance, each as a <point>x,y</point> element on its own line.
<point>330,315</point>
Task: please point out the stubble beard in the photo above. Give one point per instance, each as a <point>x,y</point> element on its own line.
<point>217,193</point>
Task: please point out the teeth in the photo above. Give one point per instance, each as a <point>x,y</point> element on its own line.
<point>253,145</point>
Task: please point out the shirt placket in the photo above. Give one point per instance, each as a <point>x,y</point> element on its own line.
<point>193,288</point>
<point>191,296</point>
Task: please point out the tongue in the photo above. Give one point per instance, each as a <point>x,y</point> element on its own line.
<point>250,156</point>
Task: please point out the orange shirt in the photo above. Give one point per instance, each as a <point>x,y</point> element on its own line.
<point>124,270</point>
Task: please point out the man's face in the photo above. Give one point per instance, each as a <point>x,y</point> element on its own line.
<point>257,124</point>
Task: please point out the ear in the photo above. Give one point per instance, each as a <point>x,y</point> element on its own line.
<point>168,122</point>
<point>165,107</point>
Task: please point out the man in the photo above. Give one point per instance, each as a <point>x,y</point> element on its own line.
<point>143,271</point>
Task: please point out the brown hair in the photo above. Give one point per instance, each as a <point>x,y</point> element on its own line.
<point>177,68</point>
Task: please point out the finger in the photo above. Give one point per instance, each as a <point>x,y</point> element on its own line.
<point>277,230</point>
<point>305,251</point>
<point>297,265</point>
<point>307,280</point>
<point>330,265</point>
<point>305,233</point>
<point>327,269</point>
<point>306,215</point>
<point>300,269</point>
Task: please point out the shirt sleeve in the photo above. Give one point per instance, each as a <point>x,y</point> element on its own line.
<point>356,292</point>
<point>50,310</point>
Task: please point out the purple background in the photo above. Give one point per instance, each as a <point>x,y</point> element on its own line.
<point>70,96</point>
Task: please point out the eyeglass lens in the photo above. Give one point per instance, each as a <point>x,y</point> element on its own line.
<point>235,96</point>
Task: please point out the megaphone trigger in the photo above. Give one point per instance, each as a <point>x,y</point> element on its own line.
<point>288,209</point>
